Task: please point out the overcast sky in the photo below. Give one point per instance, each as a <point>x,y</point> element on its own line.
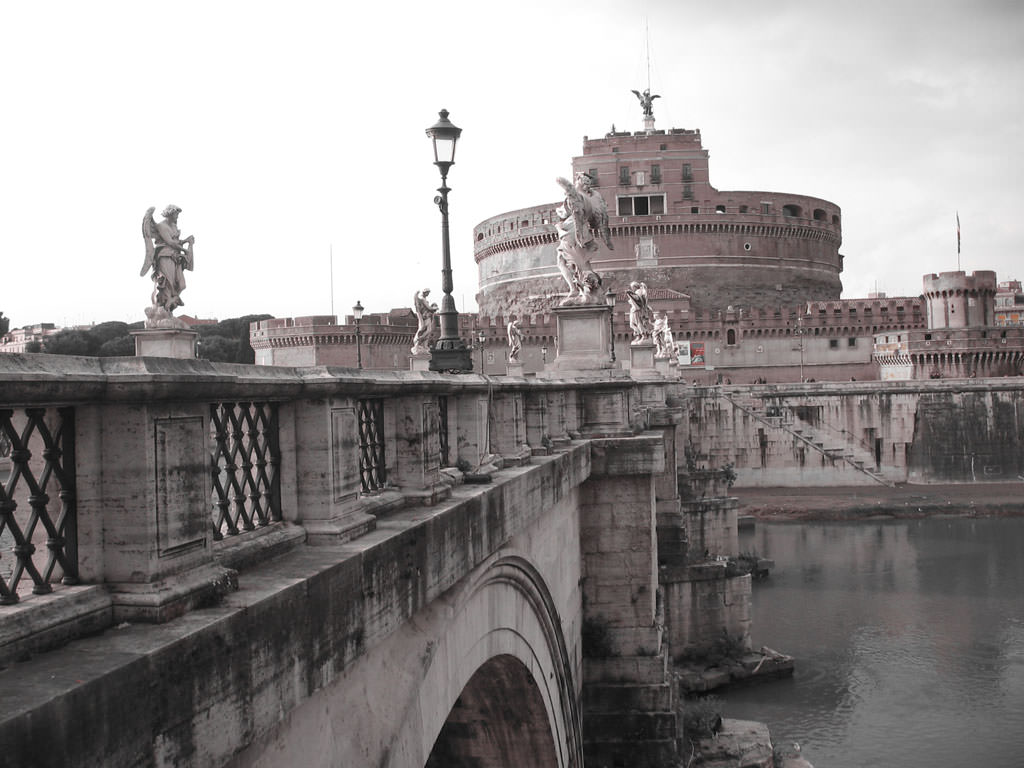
<point>283,129</point>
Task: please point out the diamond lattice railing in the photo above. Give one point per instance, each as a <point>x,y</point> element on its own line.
<point>372,466</point>
<point>245,460</point>
<point>37,460</point>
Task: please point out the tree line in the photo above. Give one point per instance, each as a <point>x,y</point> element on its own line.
<point>223,342</point>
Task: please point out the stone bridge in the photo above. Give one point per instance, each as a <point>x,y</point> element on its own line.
<point>224,565</point>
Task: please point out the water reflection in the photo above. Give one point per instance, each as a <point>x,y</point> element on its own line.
<point>909,639</point>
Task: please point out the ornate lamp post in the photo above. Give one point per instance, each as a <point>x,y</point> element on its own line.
<point>544,354</point>
<point>800,331</point>
<point>450,352</point>
<point>609,299</point>
<point>481,337</point>
<point>357,313</point>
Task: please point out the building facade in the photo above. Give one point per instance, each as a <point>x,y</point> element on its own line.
<point>19,339</point>
<point>1009,308</point>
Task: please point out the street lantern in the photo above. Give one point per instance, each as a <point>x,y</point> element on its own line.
<point>481,337</point>
<point>445,136</point>
<point>450,352</point>
<point>609,299</point>
<point>357,313</point>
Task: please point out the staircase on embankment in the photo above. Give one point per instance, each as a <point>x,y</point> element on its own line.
<point>834,446</point>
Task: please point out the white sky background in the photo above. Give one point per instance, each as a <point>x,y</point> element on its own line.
<point>283,128</point>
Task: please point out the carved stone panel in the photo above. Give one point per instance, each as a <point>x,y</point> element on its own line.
<point>431,446</point>
<point>344,454</point>
<point>182,497</point>
<point>602,409</point>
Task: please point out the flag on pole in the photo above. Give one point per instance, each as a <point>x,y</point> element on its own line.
<point>958,233</point>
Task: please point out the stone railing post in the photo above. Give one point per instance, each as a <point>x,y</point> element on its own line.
<point>507,425</point>
<point>538,435</point>
<point>150,484</point>
<point>327,478</point>
<point>471,432</point>
<point>416,469</point>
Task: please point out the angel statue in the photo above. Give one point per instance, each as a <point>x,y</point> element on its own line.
<point>167,255</point>
<point>583,218</point>
<point>665,346</point>
<point>647,101</point>
<point>515,341</point>
<point>425,312</point>
<point>640,317</point>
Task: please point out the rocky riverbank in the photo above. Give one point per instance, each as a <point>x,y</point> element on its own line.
<point>874,502</point>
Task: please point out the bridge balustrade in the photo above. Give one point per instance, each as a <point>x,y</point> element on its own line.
<point>137,488</point>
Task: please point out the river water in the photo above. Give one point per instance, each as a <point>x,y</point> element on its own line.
<point>908,638</point>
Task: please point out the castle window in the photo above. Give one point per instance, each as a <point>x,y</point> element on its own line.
<point>695,209</point>
<point>641,205</point>
<point>766,208</point>
<point>687,192</point>
<point>743,209</point>
<point>663,147</point>
<point>592,173</point>
<point>833,343</point>
<point>655,174</point>
<point>624,175</point>
<point>791,210</point>
<point>851,342</point>
<point>819,215</point>
<point>730,337</point>
<point>687,172</point>
<point>719,209</point>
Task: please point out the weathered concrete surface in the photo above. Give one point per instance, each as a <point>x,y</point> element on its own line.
<point>197,690</point>
<point>859,433</point>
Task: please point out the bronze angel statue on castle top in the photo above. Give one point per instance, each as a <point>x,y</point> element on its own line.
<point>647,101</point>
<point>168,254</point>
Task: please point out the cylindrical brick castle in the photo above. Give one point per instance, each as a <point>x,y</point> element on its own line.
<point>671,229</point>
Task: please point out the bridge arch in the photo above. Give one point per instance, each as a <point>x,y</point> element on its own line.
<point>500,679</point>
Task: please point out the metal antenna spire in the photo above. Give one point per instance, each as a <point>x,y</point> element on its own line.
<point>647,38</point>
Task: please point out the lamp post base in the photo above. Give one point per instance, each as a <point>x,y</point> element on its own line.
<point>457,359</point>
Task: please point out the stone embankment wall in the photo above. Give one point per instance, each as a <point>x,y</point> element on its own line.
<point>833,434</point>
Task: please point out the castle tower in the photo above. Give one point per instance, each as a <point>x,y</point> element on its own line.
<point>959,300</point>
<point>670,228</point>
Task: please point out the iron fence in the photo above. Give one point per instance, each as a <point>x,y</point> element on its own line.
<point>37,460</point>
<point>245,461</point>
<point>372,465</point>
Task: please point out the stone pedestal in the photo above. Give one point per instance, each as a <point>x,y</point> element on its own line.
<point>583,339</point>
<point>419,361</point>
<point>641,357</point>
<point>515,368</point>
<point>165,342</point>
<point>666,367</point>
